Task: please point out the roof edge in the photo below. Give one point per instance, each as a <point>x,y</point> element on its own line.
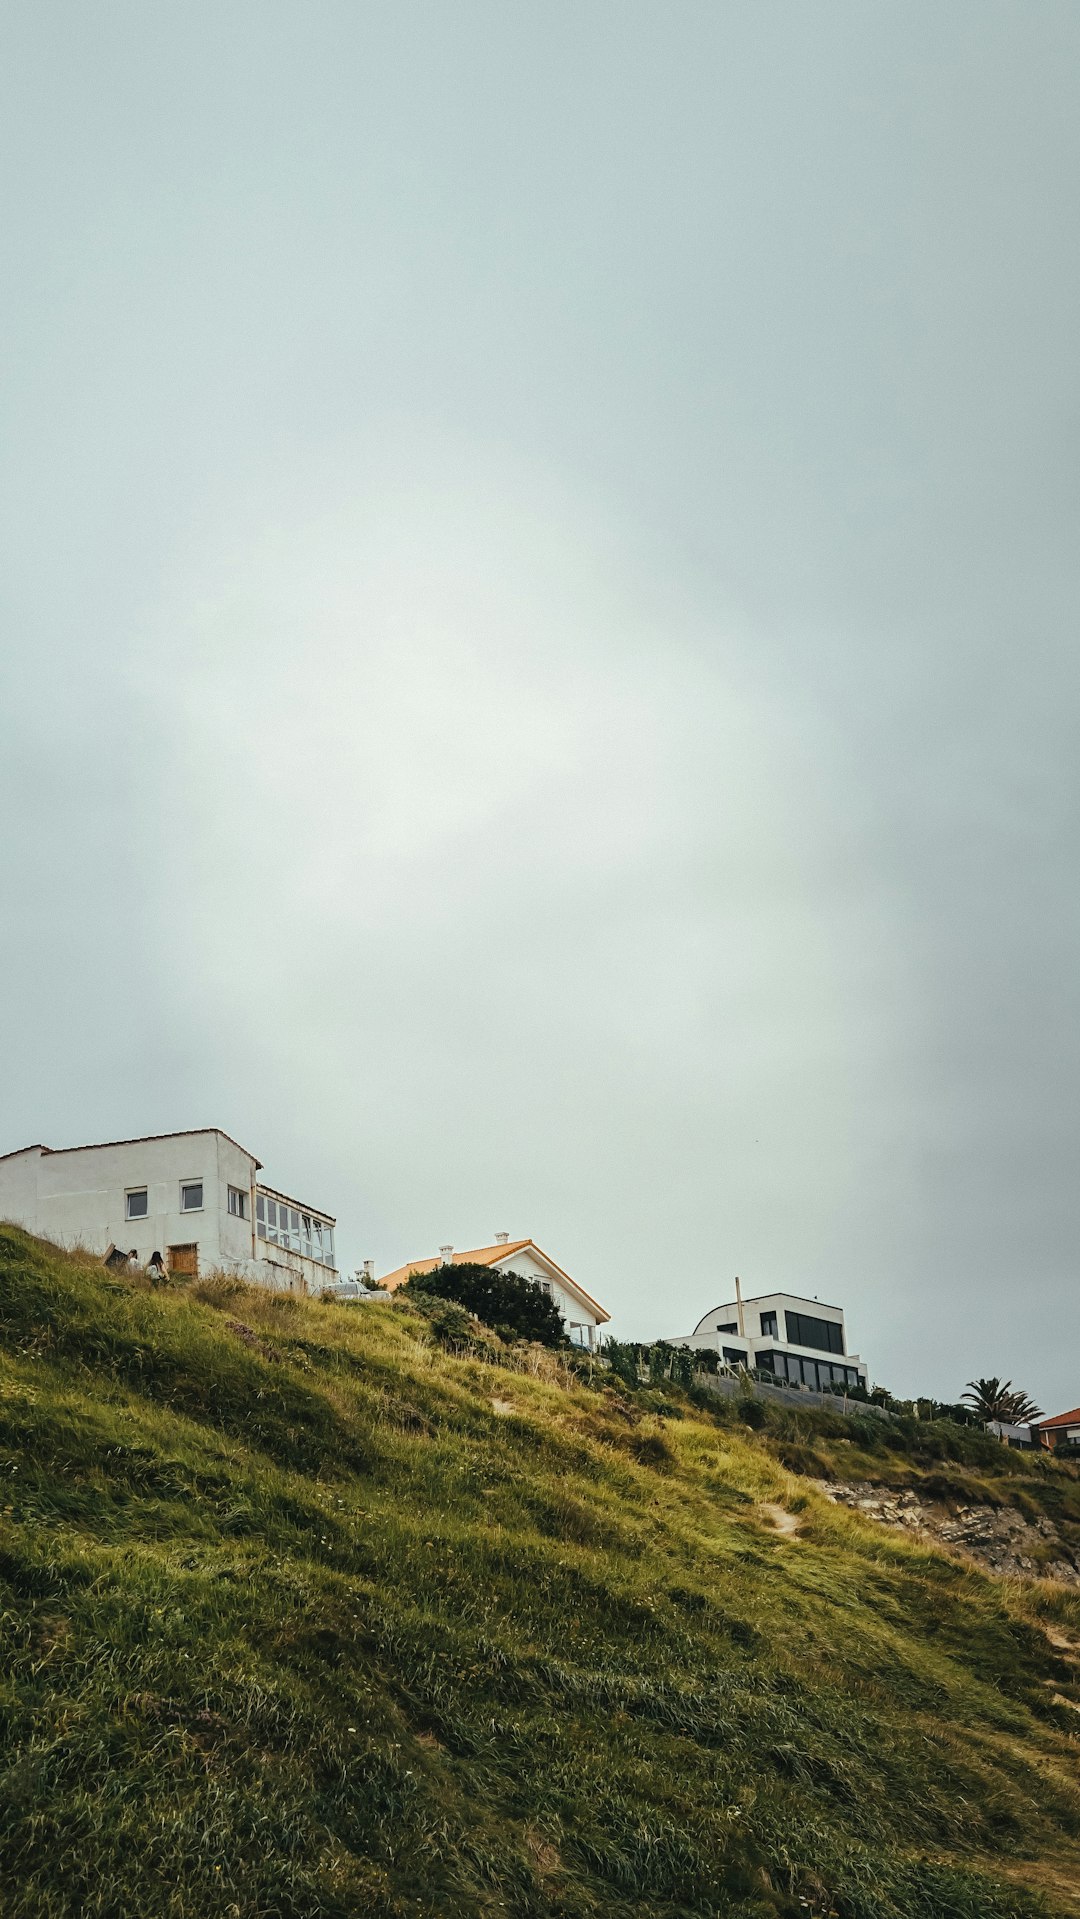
<point>144,1139</point>
<point>494,1256</point>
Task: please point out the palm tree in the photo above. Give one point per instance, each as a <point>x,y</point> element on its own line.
<point>1023,1410</point>
<point>999,1399</point>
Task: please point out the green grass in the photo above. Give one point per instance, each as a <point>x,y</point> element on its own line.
<point>304,1615</point>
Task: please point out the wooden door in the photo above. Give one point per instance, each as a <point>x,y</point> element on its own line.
<point>184,1260</point>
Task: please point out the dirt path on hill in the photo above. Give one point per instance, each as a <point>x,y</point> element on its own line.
<point>780,1519</point>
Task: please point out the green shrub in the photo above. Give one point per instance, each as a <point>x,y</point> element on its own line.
<point>753,1413</point>
<point>513,1307</point>
<point>800,1458</point>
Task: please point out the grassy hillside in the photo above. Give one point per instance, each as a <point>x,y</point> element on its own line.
<point>304,1615</point>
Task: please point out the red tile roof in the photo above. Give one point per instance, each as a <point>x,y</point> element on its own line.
<point>1061,1419</point>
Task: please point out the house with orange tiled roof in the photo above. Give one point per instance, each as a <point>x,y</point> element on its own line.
<point>1059,1431</point>
<point>583,1314</point>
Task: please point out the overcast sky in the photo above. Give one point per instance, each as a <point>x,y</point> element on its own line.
<point>539,635</point>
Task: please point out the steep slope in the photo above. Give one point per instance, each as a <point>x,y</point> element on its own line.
<point>304,1615</point>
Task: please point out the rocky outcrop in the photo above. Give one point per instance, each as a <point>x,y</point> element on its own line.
<point>999,1537</point>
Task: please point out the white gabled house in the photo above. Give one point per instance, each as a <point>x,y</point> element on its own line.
<point>194,1199</point>
<point>582,1313</point>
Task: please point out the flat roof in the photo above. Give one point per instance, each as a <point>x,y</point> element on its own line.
<point>140,1139</point>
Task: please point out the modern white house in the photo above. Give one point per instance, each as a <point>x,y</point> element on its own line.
<point>194,1199</point>
<point>800,1341</point>
<point>582,1313</point>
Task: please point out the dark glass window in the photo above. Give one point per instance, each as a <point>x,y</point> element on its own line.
<point>237,1203</point>
<point>137,1205</point>
<point>768,1325</point>
<point>822,1335</point>
<point>735,1355</point>
<point>191,1197</point>
<point>733,1328</point>
<point>767,1362</point>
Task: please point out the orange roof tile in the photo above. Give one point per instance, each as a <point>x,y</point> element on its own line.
<point>1062,1419</point>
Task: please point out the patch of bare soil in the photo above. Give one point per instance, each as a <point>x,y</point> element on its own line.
<point>546,1857</point>
<point>780,1519</point>
<point>252,1339</point>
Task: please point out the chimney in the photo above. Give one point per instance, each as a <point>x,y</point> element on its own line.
<point>446,1254</point>
<point>501,1239</point>
<point>369,1269</point>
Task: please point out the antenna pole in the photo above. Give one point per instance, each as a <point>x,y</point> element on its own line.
<point>739,1305</point>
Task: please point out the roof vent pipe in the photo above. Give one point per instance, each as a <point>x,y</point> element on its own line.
<point>501,1239</point>
<point>446,1254</point>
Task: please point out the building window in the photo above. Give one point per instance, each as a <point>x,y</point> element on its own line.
<point>821,1335</point>
<point>191,1197</point>
<point>238,1202</point>
<point>733,1328</point>
<point>734,1355</point>
<point>768,1326</point>
<point>283,1225</point>
<point>137,1203</point>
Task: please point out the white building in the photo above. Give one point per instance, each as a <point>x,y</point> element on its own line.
<point>582,1314</point>
<point>799,1340</point>
<point>193,1198</point>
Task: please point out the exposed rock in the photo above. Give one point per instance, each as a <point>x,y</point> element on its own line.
<point>999,1537</point>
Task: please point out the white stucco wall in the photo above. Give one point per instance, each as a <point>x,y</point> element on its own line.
<point>81,1196</point>
<point>19,1187</point>
<point>777,1303</point>
<point>278,1266</point>
<point>78,1197</point>
<point>574,1311</point>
